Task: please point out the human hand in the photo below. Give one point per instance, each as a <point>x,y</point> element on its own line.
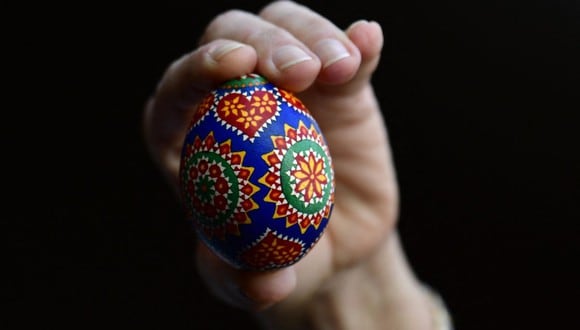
<point>356,273</point>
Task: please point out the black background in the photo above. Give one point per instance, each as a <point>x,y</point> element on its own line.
<point>481,100</point>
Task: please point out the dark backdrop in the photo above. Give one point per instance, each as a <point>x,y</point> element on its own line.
<point>481,102</point>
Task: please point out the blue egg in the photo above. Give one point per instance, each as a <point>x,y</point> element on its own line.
<point>256,175</point>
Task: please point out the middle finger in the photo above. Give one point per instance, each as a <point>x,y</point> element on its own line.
<point>282,58</point>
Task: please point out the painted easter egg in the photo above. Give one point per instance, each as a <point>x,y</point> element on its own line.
<point>256,176</point>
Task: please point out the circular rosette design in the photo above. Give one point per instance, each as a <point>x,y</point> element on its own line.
<point>300,177</point>
<point>216,187</point>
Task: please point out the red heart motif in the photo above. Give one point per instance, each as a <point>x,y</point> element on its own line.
<point>247,114</point>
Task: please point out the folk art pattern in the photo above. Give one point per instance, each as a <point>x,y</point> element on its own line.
<point>256,175</point>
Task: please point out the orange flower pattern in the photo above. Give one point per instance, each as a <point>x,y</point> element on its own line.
<point>300,177</point>
<point>310,176</point>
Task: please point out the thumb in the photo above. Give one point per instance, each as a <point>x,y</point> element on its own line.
<point>248,290</point>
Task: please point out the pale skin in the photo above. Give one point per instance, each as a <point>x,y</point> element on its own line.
<point>357,276</point>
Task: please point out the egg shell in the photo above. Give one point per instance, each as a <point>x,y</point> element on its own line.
<point>256,175</point>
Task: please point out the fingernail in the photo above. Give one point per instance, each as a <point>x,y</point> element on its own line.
<point>224,49</point>
<point>287,56</point>
<point>357,23</point>
<point>330,51</point>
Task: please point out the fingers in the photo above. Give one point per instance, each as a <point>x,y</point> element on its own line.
<point>295,45</point>
<point>338,55</point>
<point>282,58</point>
<point>246,290</point>
<point>292,53</point>
<point>368,38</point>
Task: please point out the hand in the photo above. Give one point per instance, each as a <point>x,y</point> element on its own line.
<point>357,273</point>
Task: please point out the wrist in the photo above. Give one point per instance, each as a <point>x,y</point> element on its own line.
<point>380,292</point>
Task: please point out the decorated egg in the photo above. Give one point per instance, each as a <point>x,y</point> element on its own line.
<point>256,176</point>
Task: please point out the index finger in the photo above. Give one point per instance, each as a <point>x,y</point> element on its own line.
<point>183,85</point>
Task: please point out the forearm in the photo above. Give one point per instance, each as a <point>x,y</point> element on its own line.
<point>380,293</point>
